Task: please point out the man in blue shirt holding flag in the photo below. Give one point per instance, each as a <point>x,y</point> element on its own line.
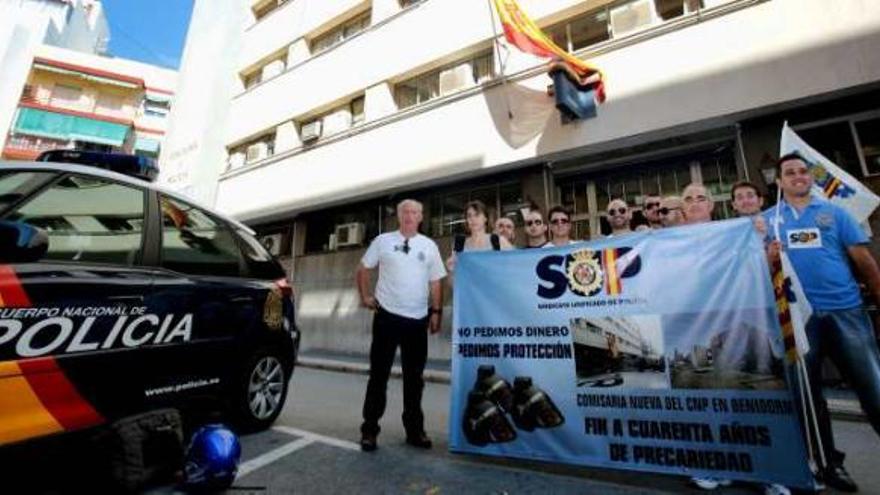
<point>826,245</point>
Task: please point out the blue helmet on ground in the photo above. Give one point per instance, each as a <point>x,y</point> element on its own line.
<point>212,458</point>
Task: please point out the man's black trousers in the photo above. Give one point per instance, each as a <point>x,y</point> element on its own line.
<point>389,332</point>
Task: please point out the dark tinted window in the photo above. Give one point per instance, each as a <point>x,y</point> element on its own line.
<point>16,185</point>
<point>261,264</point>
<point>196,244</point>
<point>88,219</point>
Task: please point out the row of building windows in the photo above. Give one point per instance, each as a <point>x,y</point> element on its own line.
<point>444,81</point>
<point>334,121</point>
<point>611,21</point>
<point>262,10</point>
<point>614,20</point>
<point>277,63</point>
<point>72,97</point>
<point>617,20</point>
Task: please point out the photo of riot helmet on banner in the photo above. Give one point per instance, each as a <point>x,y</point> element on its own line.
<point>485,417</point>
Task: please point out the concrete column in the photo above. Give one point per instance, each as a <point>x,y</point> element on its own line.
<point>298,243</point>
<point>297,52</point>
<point>379,101</point>
<point>533,187</point>
<point>383,9</point>
<point>286,137</point>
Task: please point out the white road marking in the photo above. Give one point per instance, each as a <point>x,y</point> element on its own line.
<point>336,442</point>
<point>273,455</point>
<point>306,438</point>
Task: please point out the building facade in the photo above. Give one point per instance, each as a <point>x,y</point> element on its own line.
<point>61,90</point>
<point>27,24</point>
<point>340,108</point>
<point>76,100</point>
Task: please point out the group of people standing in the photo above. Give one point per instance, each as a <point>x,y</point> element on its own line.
<point>408,297</point>
<point>695,205</point>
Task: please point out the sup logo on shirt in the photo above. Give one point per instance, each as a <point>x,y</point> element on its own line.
<point>804,238</point>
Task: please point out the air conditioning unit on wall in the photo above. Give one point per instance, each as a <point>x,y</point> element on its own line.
<point>632,17</point>
<point>337,122</point>
<point>349,234</point>
<point>272,243</point>
<point>257,151</point>
<point>456,79</point>
<point>311,131</point>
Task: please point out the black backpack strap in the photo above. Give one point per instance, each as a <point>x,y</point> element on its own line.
<point>496,242</point>
<point>458,243</point>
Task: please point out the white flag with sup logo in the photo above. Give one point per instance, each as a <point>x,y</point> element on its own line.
<point>830,181</point>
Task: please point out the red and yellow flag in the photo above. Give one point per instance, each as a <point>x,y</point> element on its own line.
<point>523,33</point>
<point>783,313</point>
<point>613,285</point>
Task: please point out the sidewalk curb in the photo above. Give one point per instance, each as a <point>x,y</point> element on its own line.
<point>433,376</point>
<point>846,410</point>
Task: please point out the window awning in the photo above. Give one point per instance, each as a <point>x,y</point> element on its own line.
<point>147,144</point>
<point>158,97</point>
<point>87,76</point>
<point>53,125</point>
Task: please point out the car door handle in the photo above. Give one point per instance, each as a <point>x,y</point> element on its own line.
<point>243,299</point>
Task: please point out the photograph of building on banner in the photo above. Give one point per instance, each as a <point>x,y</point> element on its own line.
<point>623,351</point>
<point>724,350</point>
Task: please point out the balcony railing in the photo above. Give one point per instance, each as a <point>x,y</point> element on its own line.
<point>38,144</point>
<point>28,98</point>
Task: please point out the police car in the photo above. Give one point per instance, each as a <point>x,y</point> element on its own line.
<point>118,297</point>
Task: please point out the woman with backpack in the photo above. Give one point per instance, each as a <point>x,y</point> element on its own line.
<point>478,236</point>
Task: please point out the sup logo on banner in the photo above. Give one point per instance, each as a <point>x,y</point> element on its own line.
<point>587,272</point>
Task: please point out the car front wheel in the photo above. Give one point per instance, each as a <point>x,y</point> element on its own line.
<point>262,391</point>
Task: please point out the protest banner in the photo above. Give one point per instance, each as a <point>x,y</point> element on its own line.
<point>658,351</point>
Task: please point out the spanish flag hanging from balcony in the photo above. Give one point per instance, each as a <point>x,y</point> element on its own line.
<point>523,33</point>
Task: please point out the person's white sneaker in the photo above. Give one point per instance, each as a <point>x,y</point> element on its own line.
<point>776,489</point>
<point>709,483</point>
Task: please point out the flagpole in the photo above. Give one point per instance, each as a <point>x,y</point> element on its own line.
<point>803,369</point>
<point>501,63</point>
<point>807,423</point>
<point>811,420</point>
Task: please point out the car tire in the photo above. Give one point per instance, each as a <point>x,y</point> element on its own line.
<point>261,390</point>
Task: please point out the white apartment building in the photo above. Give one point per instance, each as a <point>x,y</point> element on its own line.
<point>337,109</point>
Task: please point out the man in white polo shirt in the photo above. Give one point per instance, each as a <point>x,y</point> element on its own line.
<point>409,265</point>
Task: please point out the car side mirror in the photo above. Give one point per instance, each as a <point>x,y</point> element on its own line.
<point>22,243</point>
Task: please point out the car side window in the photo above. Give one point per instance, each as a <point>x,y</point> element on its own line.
<point>195,244</point>
<point>88,219</point>
<point>260,263</point>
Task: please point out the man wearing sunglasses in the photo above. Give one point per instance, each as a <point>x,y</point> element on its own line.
<point>652,211</point>
<point>619,217</point>
<point>409,268</point>
<point>536,229</point>
<point>671,211</point>
<point>560,227</point>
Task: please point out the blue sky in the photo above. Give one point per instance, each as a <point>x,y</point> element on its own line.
<point>151,31</point>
